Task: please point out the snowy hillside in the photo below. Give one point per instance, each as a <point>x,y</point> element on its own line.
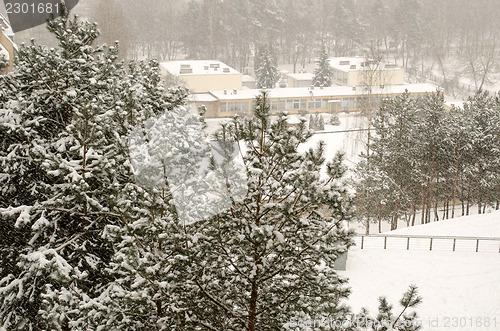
<point>484,225</point>
<point>460,290</point>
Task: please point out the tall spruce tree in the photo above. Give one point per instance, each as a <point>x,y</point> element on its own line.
<point>481,152</point>
<point>393,150</point>
<point>323,73</point>
<point>265,69</point>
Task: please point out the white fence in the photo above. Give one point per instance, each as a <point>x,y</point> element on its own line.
<point>429,243</point>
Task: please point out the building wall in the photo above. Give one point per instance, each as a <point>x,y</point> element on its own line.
<point>363,77</point>
<point>249,84</point>
<point>340,77</point>
<point>297,105</point>
<point>374,78</point>
<point>205,83</point>
<point>212,108</point>
<point>292,82</point>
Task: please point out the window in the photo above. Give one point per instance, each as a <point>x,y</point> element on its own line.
<point>292,104</point>
<point>274,105</point>
<point>303,103</point>
<point>234,107</point>
<point>348,102</point>
<point>318,103</point>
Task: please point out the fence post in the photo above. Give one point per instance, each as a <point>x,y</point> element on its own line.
<point>362,241</point>
<point>430,247</point>
<point>454,242</point>
<point>477,245</point>
<point>385,242</point>
<point>408,243</point>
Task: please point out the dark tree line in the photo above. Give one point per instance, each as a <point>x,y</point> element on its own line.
<point>411,31</point>
<point>430,161</point>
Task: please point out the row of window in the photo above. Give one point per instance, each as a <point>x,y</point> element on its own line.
<point>234,107</point>
<point>303,104</point>
<point>284,104</point>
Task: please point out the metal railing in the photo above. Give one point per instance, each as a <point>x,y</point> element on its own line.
<point>426,242</point>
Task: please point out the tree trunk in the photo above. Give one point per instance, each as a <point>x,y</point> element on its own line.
<point>436,216</point>
<point>486,201</point>
<point>455,183</point>
<point>380,216</point>
<point>252,311</point>
<point>430,184</point>
<point>468,199</point>
<point>394,221</point>
<point>422,191</point>
<point>480,191</point>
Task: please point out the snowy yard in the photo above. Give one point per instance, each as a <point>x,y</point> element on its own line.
<point>336,138</point>
<point>460,290</point>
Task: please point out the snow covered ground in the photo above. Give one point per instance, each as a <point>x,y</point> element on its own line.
<point>460,290</point>
<point>335,137</point>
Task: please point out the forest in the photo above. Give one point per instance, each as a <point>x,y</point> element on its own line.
<point>451,39</point>
<point>425,159</point>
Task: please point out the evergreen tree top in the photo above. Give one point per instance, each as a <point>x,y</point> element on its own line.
<point>323,73</point>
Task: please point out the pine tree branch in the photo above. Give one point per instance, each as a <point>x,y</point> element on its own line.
<point>211,298</point>
<point>279,303</point>
<point>228,255</point>
<point>315,242</point>
<point>204,324</point>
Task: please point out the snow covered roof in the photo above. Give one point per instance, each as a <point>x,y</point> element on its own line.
<point>358,63</point>
<point>202,97</point>
<point>198,67</point>
<point>301,76</point>
<point>334,91</point>
<point>247,78</point>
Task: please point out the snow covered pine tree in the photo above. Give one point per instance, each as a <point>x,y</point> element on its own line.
<point>65,114</point>
<point>84,247</point>
<point>269,258</point>
<point>323,73</point>
<point>266,71</point>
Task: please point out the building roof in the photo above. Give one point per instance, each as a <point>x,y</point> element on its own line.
<point>305,92</point>
<point>198,67</point>
<point>301,76</point>
<point>359,63</point>
<point>247,78</point>
<point>202,97</point>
